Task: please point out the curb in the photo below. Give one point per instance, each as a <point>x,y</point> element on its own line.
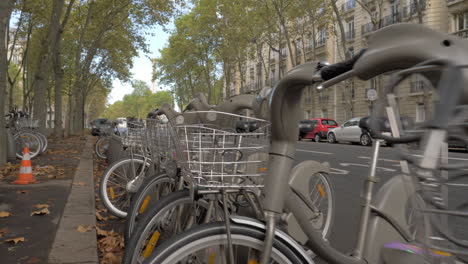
<point>71,246</point>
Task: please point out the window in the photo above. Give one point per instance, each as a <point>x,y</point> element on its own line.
<point>461,21</point>
<point>350,29</point>
<point>298,46</point>
<point>328,122</point>
<point>373,83</point>
<point>283,52</point>
<point>321,37</point>
<point>420,112</point>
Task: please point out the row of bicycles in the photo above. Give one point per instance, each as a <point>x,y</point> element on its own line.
<point>195,190</point>
<point>23,131</point>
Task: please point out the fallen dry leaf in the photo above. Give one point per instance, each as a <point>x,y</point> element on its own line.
<point>4,214</point>
<point>111,258</point>
<point>42,206</point>
<point>15,240</point>
<point>100,217</point>
<point>83,229</point>
<point>80,183</point>
<point>23,192</point>
<point>32,260</point>
<point>44,211</point>
<point>4,230</point>
<point>51,176</point>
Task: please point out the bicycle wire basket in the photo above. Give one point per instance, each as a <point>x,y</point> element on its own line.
<point>25,123</point>
<point>135,136</point>
<point>159,136</point>
<point>216,155</point>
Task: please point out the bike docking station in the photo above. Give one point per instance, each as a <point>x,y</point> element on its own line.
<point>25,173</point>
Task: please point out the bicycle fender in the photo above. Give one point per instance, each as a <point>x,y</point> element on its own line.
<point>285,238</point>
<point>302,172</point>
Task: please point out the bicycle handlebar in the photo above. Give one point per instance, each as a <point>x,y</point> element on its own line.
<point>331,71</point>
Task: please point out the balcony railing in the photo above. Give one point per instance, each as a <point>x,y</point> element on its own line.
<point>323,97</point>
<point>385,21</point>
<point>349,35</point>
<point>462,33</point>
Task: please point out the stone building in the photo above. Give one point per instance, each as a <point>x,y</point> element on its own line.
<point>360,18</point>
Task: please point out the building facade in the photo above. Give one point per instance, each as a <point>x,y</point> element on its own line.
<point>360,18</point>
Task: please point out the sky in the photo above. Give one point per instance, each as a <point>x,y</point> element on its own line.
<point>142,67</point>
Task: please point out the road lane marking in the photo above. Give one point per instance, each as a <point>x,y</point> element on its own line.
<point>415,155</point>
<point>318,152</point>
<point>458,184</point>
<point>338,171</point>
<point>364,165</point>
<point>389,160</point>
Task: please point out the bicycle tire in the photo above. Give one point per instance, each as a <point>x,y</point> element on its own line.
<point>111,206</point>
<point>44,141</point>
<point>328,190</point>
<point>139,199</point>
<point>34,144</point>
<point>150,223</point>
<point>204,236</point>
<point>100,153</point>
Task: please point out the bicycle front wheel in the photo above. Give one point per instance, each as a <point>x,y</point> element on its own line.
<point>30,140</point>
<point>113,188</point>
<point>147,196</point>
<point>322,197</point>
<point>209,244</point>
<point>172,214</point>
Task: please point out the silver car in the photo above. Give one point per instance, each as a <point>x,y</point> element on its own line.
<point>349,132</point>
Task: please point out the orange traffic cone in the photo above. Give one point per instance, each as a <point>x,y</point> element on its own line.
<point>25,175</point>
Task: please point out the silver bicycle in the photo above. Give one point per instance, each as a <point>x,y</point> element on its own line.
<point>385,233</point>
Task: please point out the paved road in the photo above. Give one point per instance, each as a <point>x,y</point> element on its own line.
<point>350,166</point>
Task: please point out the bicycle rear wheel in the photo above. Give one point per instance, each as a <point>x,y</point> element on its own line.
<point>101,147</point>
<point>27,139</point>
<point>208,244</point>
<point>113,188</point>
<point>148,195</point>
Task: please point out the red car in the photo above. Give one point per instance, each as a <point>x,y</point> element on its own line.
<point>315,128</point>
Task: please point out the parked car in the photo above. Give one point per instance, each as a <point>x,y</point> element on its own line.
<point>100,125</point>
<point>243,126</point>
<point>350,132</point>
<point>315,128</point>
<point>357,130</point>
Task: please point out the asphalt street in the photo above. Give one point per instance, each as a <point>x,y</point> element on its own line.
<point>350,167</point>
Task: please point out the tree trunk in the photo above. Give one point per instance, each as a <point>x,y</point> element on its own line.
<point>47,45</point>
<point>341,27</point>
<point>58,75</point>
<point>6,6</point>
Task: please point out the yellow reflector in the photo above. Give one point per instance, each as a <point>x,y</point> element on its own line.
<point>144,204</point>
<point>112,194</point>
<point>212,258</point>
<point>252,261</point>
<point>442,253</point>
<point>321,191</point>
<point>261,169</point>
<point>151,244</point>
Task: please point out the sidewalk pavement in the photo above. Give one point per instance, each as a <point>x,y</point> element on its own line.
<point>71,246</point>
<point>53,237</point>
